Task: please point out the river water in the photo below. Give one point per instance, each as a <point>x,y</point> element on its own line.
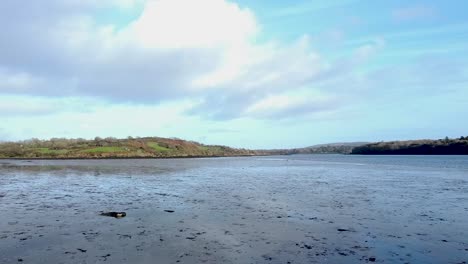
<point>277,209</point>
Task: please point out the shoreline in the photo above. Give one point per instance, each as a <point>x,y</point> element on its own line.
<point>213,157</point>
<point>220,156</point>
<point>132,158</point>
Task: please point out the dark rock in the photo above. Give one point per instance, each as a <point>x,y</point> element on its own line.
<point>114,214</point>
<point>20,260</point>
<point>81,250</point>
<point>343,230</point>
<point>372,259</point>
<point>169,211</point>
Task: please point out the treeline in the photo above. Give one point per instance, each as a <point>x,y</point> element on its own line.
<point>333,148</point>
<point>146,147</point>
<point>447,146</point>
<point>336,148</point>
<point>157,147</point>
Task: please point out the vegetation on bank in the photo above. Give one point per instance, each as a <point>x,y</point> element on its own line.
<point>334,148</point>
<point>147,147</point>
<point>445,146</point>
<point>156,147</point>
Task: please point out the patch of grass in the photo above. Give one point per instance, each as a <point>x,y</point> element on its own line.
<point>105,150</point>
<point>157,147</point>
<point>51,151</point>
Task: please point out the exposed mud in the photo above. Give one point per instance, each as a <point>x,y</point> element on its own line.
<point>294,209</point>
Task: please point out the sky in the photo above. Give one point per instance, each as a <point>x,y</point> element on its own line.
<point>252,74</point>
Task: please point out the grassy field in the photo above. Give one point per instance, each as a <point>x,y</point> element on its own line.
<point>157,147</point>
<point>105,149</point>
<point>149,147</point>
<point>50,151</point>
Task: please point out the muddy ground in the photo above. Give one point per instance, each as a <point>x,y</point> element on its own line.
<point>288,209</point>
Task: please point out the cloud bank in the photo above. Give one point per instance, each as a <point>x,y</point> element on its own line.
<point>205,50</point>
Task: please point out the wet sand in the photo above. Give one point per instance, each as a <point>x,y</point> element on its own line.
<point>294,209</point>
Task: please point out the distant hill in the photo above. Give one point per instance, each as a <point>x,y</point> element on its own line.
<point>330,148</point>
<point>416,147</point>
<point>147,147</point>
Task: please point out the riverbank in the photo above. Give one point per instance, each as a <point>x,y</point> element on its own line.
<point>112,148</point>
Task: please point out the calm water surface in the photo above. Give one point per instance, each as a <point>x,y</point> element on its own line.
<point>279,209</point>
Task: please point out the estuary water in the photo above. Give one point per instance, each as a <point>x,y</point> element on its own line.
<point>276,209</point>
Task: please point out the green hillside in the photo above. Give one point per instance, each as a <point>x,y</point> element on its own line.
<point>148,147</point>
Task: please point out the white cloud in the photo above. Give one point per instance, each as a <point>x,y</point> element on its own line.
<point>264,67</point>
<point>176,49</point>
<point>172,24</point>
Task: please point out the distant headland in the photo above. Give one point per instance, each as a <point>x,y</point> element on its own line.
<point>445,146</point>
<point>99,148</point>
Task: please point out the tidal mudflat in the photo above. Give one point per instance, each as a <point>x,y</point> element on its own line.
<point>282,209</point>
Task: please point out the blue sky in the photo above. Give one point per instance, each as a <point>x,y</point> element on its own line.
<point>255,74</point>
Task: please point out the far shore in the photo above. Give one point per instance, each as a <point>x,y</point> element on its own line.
<point>125,158</point>
<point>173,148</point>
